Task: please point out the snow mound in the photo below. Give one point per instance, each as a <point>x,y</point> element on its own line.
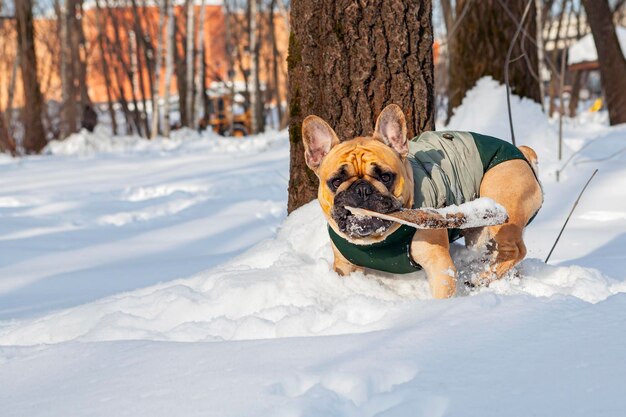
<point>283,287</point>
<point>484,110</point>
<point>100,141</point>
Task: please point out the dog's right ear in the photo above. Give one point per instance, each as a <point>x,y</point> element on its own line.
<point>318,138</point>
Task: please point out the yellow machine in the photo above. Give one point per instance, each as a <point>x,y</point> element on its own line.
<point>596,106</point>
<point>224,119</point>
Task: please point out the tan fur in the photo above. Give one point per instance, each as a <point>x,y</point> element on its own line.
<point>512,184</point>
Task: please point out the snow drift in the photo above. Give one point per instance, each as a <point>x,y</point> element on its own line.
<point>284,287</point>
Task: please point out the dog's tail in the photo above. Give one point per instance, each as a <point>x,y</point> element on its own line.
<point>531,157</point>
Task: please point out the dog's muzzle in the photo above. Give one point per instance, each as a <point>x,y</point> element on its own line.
<point>363,194</point>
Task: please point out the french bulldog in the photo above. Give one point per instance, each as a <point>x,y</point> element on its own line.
<point>386,172</point>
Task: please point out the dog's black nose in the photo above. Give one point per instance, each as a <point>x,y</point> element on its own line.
<point>363,189</point>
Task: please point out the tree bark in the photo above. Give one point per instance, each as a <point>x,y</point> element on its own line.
<point>479,46</point>
<point>610,57</point>
<point>34,133</point>
<point>347,61</point>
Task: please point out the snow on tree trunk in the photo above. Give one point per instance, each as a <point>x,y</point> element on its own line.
<point>347,61</point>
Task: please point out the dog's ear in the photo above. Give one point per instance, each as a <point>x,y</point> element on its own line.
<point>318,138</point>
<point>391,128</point>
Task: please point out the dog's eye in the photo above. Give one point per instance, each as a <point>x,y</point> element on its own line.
<point>385,178</point>
<point>336,183</point>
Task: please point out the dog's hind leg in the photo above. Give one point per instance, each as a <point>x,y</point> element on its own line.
<point>513,185</point>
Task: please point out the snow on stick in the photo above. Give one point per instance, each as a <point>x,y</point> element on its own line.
<point>478,213</point>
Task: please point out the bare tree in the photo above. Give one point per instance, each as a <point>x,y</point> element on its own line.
<point>256,102</point>
<point>7,144</point>
<point>275,63</point>
<point>347,60</point>
<point>170,42</point>
<point>486,27</point>
<point>69,118</point>
<point>610,57</point>
<point>200,72</point>
<point>34,138</point>
<point>11,90</point>
<point>157,69</point>
<point>105,66</point>
<point>190,59</point>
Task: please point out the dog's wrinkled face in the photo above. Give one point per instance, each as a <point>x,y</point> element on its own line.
<point>364,172</point>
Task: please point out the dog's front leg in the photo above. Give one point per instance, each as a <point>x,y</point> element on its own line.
<point>431,249</point>
<point>341,265</point>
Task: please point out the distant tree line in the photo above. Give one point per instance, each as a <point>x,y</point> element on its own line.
<point>146,53</point>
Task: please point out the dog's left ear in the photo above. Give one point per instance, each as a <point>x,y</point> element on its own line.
<point>391,128</point>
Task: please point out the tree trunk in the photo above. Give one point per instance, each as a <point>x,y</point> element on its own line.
<point>69,118</point>
<point>256,102</point>
<point>479,46</point>
<point>347,61</point>
<point>275,64</point>
<point>81,57</point>
<point>575,94</point>
<point>610,57</point>
<point>190,59</point>
<point>200,73</point>
<point>230,55</point>
<point>181,76</point>
<point>105,67</point>
<point>170,43</point>
<point>11,92</point>
<point>154,128</point>
<point>34,133</point>
<point>6,142</point>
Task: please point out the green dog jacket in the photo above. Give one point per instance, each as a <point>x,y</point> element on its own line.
<point>448,168</point>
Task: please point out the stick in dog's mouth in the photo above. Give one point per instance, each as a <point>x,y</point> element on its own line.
<point>478,213</point>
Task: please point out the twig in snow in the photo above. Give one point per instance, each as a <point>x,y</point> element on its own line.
<point>570,215</point>
<point>506,68</point>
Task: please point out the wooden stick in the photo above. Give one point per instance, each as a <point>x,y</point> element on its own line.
<point>570,215</point>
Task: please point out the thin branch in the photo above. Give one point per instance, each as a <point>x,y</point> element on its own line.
<point>506,68</point>
<point>570,215</point>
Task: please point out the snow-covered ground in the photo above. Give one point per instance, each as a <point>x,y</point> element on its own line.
<point>162,278</point>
